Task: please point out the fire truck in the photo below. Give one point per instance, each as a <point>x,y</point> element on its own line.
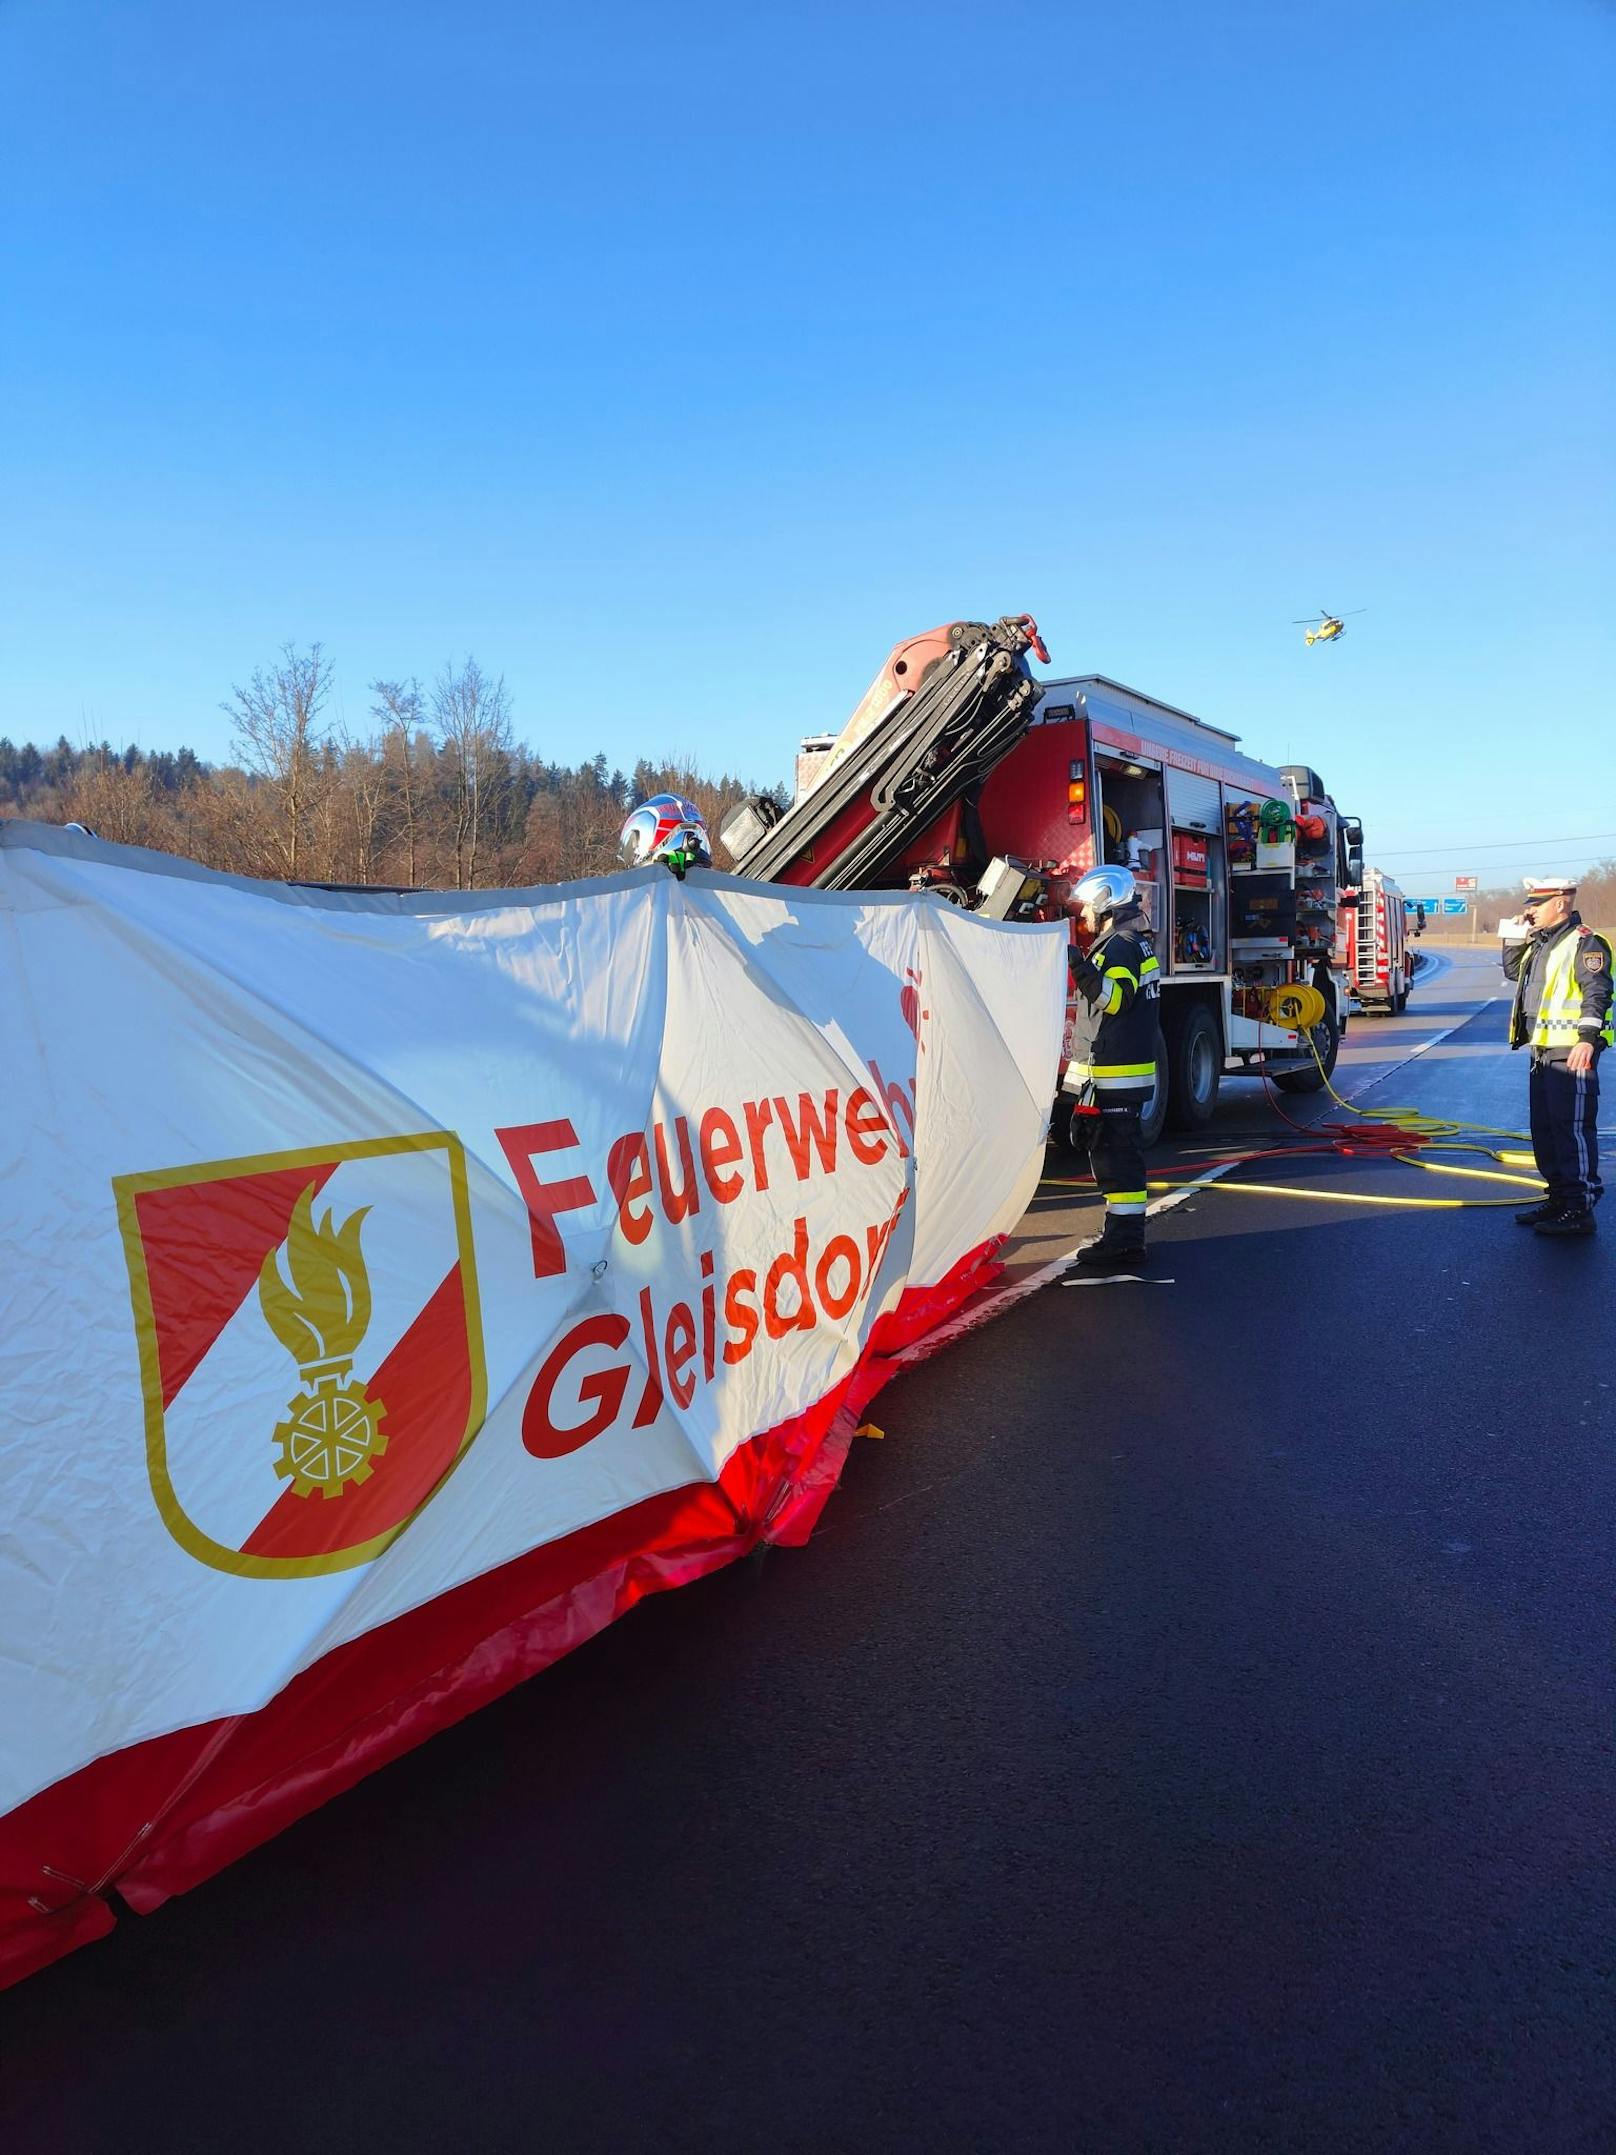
<point>1375,959</point>
<point>963,774</point>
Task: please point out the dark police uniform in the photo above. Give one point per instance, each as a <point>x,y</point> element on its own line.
<point>1116,1033</point>
<point>1562,982</point>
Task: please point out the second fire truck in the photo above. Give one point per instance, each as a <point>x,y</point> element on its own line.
<point>1376,961</point>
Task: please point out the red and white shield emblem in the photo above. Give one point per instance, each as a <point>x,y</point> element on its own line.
<point>310,1347</point>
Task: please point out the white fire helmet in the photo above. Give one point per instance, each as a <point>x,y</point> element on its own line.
<point>1108,890</point>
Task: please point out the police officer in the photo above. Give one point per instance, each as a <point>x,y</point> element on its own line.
<point>1115,1038</point>
<point>1562,976</point>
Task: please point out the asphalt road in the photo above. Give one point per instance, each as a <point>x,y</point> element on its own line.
<point>1190,1729</point>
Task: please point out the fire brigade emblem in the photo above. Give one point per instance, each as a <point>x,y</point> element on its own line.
<point>332,1437</point>
<point>310,1347</point>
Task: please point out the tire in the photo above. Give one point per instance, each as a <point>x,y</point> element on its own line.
<point>1327,1039</point>
<point>1153,1115</point>
<point>1400,999</point>
<point>1194,1067</point>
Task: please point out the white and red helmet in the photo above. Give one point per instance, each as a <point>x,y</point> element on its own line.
<point>665,828</point>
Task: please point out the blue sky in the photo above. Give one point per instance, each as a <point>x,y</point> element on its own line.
<point>678,362</point>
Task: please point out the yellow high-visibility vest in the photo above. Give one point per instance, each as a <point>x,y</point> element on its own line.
<point>1558,1013</point>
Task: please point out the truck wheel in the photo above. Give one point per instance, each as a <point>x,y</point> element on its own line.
<point>1194,1064</point>
<point>1327,1039</point>
<point>1400,999</point>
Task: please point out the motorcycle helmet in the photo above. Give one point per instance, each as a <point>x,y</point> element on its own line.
<point>665,828</point>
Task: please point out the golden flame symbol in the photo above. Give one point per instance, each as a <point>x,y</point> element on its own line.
<point>322,1316</point>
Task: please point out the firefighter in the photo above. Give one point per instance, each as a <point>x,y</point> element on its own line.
<point>1562,1011</point>
<point>1115,1039</point>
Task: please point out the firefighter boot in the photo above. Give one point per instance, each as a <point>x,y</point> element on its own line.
<point>1119,1247</point>
<point>1572,1220</point>
<point>1534,1213</point>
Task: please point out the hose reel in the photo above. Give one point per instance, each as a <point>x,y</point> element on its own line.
<point>1297,1005</point>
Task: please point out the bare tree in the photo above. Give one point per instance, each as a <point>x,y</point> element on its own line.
<point>113,801</point>
<point>278,737</point>
<point>473,719</point>
<point>362,786</point>
<point>398,709</point>
<point>224,825</point>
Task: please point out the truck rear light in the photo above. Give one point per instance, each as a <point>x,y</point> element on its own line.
<point>1077,795</point>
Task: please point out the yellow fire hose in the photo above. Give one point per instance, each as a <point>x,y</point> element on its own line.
<point>1432,1131</point>
<point>1429,1131</point>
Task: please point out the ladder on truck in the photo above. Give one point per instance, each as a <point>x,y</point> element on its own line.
<point>1366,944</point>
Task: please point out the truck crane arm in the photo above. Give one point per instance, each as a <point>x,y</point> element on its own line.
<point>944,709</point>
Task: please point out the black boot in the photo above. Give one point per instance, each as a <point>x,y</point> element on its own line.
<point>1574,1220</point>
<point>1546,1211</point>
<point>1119,1247</point>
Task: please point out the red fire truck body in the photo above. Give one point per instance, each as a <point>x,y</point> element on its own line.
<point>1240,864</point>
<point>1236,920</point>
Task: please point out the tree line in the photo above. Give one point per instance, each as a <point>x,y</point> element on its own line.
<point>434,791</point>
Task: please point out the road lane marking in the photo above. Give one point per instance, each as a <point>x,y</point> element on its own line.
<point>1177,1197</point>
<point>998,1302</point>
<point>1435,1041</point>
<point>1122,1279</point>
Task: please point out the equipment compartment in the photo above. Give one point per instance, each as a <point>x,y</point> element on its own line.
<point>1262,906</point>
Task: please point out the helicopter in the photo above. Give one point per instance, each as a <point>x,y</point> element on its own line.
<point>1328,626</point>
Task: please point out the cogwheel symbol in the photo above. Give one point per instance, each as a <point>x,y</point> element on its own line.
<point>331,1440</point>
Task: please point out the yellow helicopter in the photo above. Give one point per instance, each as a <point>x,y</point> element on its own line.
<point>1327,627</point>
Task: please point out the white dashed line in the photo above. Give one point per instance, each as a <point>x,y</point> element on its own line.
<point>1424,1047</point>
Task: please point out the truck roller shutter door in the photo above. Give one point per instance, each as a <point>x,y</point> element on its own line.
<point>1193,802</point>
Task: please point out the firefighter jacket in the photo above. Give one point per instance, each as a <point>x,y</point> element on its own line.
<point>1562,990</point>
<point>1115,1025</point>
